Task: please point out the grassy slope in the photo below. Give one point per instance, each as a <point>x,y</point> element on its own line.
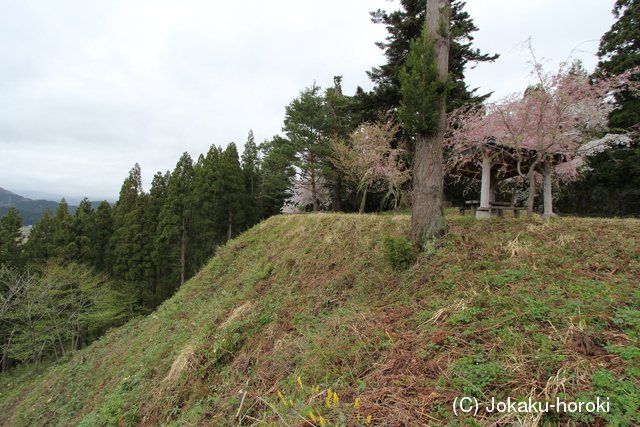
<point>304,307</point>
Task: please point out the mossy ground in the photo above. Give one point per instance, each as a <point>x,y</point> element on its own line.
<point>301,321</point>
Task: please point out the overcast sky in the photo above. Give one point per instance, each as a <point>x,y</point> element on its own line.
<point>90,87</point>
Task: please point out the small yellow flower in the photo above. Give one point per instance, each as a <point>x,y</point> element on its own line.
<point>369,419</point>
<point>312,417</point>
<point>300,382</point>
<point>322,421</point>
<point>280,395</point>
<point>328,400</point>
<point>356,404</point>
<point>335,398</point>
<point>291,403</point>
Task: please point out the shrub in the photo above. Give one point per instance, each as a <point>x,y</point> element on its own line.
<point>398,252</point>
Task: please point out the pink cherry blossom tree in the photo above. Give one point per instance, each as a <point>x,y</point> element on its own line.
<point>368,160</point>
<point>302,196</point>
<point>550,120</point>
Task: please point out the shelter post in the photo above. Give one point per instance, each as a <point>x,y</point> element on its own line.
<point>484,211</point>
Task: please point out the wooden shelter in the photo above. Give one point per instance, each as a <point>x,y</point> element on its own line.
<point>492,163</point>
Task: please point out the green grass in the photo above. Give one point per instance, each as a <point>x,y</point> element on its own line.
<point>302,305</point>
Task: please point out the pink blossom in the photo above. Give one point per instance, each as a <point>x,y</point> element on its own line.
<point>368,160</point>
<point>558,115</point>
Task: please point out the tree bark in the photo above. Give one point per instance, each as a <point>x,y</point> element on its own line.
<point>364,200</point>
<point>314,191</point>
<point>427,218</point>
<point>335,201</point>
<point>532,192</point>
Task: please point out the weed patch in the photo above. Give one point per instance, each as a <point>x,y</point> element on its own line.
<point>398,252</point>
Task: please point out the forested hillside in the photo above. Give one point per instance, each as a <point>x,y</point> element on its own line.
<point>96,268</point>
<point>334,318</point>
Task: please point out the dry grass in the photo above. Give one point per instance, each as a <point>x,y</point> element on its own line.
<point>518,249</point>
<point>185,360</point>
<point>236,314</point>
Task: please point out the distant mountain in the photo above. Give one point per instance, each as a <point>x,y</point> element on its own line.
<point>9,198</point>
<point>71,200</point>
<point>31,210</point>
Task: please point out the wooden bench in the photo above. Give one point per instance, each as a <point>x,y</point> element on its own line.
<point>463,209</point>
<point>501,209</point>
<point>471,205</point>
<point>497,207</point>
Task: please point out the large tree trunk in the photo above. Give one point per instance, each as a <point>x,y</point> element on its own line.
<point>427,219</point>
<point>532,192</point>
<point>531,177</point>
<point>335,186</point>
<point>314,192</point>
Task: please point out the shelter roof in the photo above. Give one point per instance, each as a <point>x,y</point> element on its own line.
<point>505,160</point>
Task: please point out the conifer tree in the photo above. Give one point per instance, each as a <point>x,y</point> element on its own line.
<point>230,192</point>
<point>176,216</point>
<point>38,246</point>
<point>424,86</point>
<point>207,232</point>
<point>62,241</point>
<point>305,124</point>
<point>251,172</point>
<point>341,121</point>
<point>251,164</point>
<point>132,241</point>
<point>11,239</point>
<point>406,25</point>
<point>278,172</point>
<point>619,52</point>
<point>102,226</point>
<point>84,230</point>
<point>161,275</point>
<point>200,248</point>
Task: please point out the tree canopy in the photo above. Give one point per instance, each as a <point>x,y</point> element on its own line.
<point>619,52</point>
<point>405,26</point>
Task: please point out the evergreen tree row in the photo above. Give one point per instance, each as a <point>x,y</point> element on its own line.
<point>76,275</point>
<point>151,242</point>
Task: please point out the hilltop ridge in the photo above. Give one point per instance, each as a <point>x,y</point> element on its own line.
<point>31,210</point>
<point>303,317</point>
<point>9,197</point>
